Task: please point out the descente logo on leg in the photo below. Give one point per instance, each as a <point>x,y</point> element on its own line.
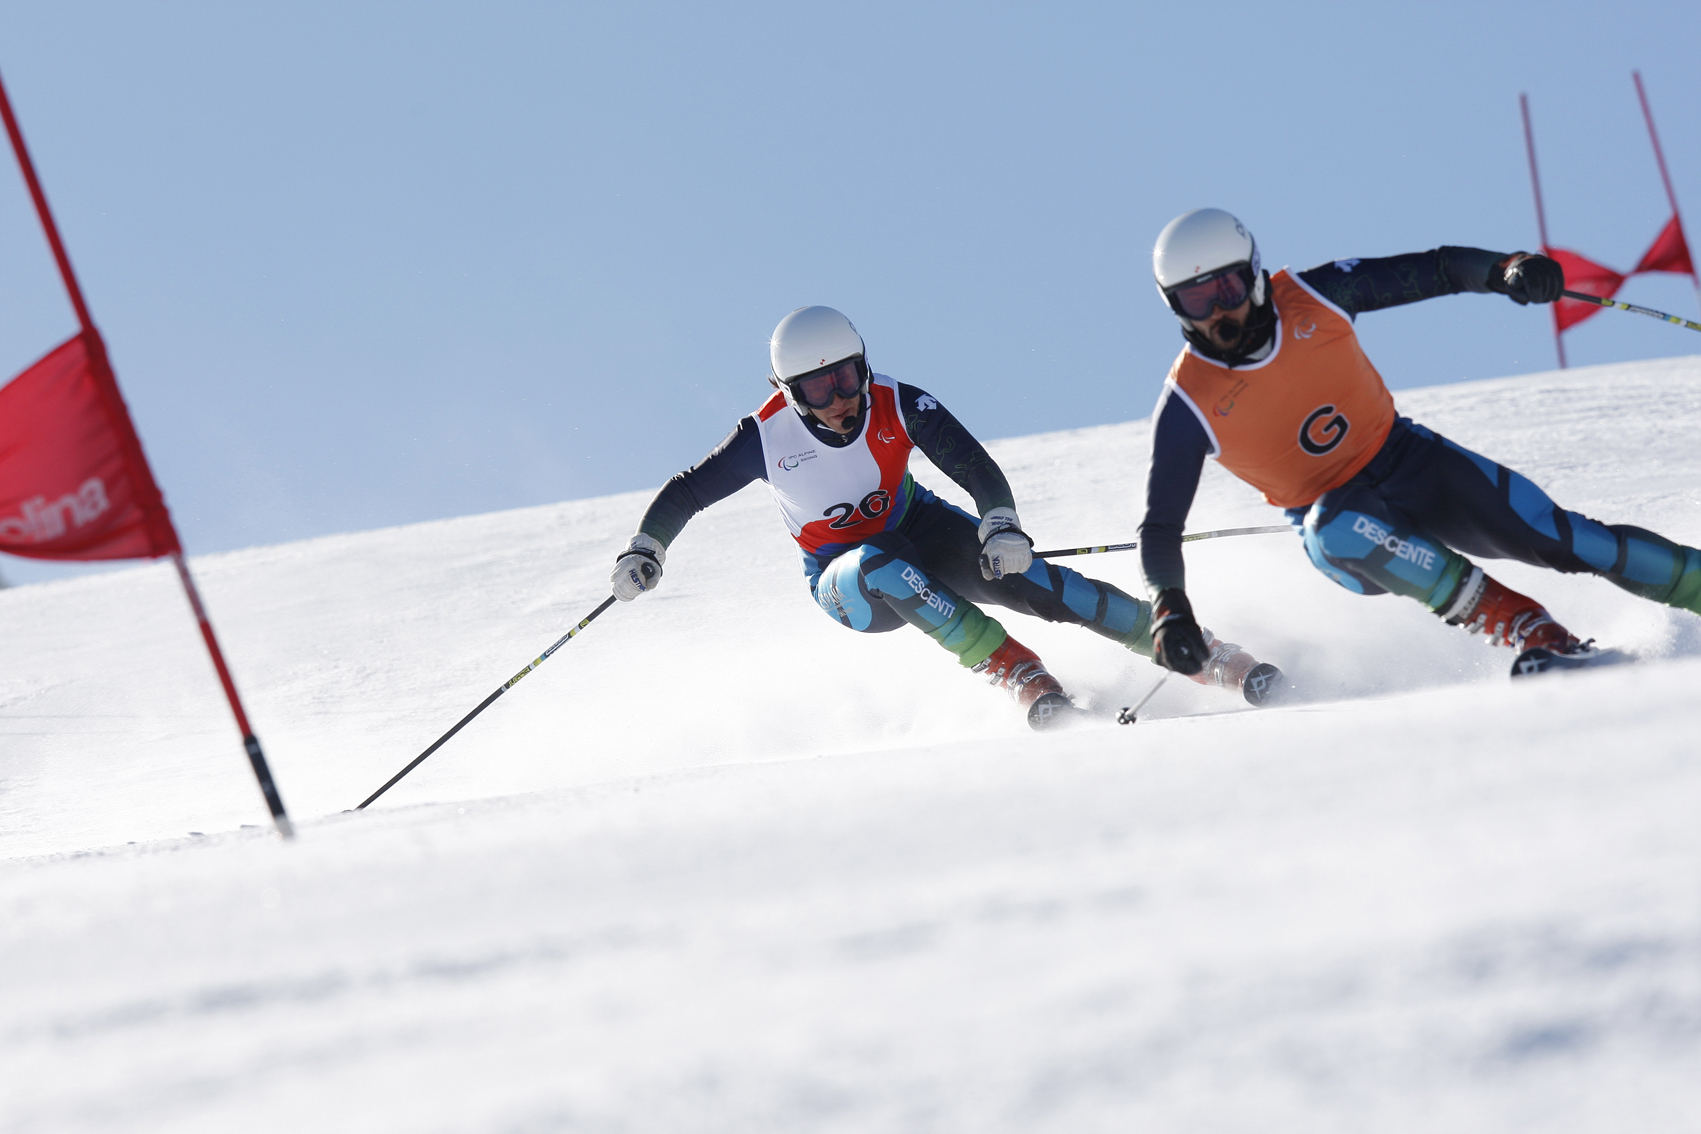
<point>918,584</point>
<point>1402,549</point>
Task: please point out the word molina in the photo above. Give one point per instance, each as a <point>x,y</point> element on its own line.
<point>42,522</point>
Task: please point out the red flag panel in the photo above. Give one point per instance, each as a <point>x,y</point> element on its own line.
<point>73,481</point>
<point>1586,276</point>
<point>1669,252</point>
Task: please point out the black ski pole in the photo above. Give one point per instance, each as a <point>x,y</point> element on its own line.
<point>1649,311</point>
<point>485,704</point>
<point>1268,529</point>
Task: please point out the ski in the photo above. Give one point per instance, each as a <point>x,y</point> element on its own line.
<point>1054,711</point>
<point>1587,656</point>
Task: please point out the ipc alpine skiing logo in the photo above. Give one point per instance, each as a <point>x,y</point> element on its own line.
<point>786,464</point>
<point>1322,433</point>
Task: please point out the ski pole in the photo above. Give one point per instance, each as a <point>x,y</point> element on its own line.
<point>485,704</point>
<point>1268,529</point>
<point>1622,306</point>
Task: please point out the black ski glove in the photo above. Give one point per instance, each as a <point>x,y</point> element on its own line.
<point>1527,278</point>
<point>1177,642</point>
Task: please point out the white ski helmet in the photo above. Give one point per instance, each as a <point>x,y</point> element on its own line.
<point>1204,243</point>
<point>808,340</point>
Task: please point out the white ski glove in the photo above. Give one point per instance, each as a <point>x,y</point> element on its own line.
<point>1004,550</point>
<point>639,568</point>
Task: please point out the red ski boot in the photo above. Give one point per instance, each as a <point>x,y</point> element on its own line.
<point>1231,667</point>
<point>1488,606</point>
<point>1014,667</point>
<point>1508,618</point>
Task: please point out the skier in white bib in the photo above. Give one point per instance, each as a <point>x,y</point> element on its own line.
<point>833,444</point>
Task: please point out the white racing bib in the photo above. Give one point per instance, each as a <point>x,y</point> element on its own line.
<point>831,496</point>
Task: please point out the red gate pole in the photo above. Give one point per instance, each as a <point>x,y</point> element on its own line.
<point>1659,156</point>
<point>250,743</point>
<point>1541,216</point>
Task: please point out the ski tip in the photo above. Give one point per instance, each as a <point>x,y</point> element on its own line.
<point>1539,660</point>
<point>1054,711</point>
<point>1264,684</point>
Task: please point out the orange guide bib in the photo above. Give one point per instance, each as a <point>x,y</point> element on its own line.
<point>1303,420</point>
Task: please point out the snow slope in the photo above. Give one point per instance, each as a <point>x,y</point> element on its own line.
<point>721,865</point>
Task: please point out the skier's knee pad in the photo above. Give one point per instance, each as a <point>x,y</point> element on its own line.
<point>843,591</point>
<point>1320,540</point>
<point>838,591</point>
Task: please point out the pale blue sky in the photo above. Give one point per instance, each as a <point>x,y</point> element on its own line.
<point>366,264</point>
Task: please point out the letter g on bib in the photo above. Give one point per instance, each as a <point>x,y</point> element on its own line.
<point>1320,433</point>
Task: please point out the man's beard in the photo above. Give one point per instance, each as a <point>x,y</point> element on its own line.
<point>1234,340</point>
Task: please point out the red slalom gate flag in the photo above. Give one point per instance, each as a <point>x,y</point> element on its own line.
<point>74,483</point>
<point>1586,276</point>
<point>1669,252</point>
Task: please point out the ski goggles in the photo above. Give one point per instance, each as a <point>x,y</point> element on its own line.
<point>1226,288</point>
<point>818,388</point>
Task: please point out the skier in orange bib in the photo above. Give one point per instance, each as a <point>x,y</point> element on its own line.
<point>1274,385</point>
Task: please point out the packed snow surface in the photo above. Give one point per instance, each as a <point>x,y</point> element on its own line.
<point>722,865</point>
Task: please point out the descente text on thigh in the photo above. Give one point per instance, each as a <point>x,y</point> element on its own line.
<point>918,584</point>
<point>1402,549</point>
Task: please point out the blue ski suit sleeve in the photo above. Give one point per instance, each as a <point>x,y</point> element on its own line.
<point>731,465</point>
<point>953,449</point>
<point>1179,449</point>
<point>1356,286</point>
